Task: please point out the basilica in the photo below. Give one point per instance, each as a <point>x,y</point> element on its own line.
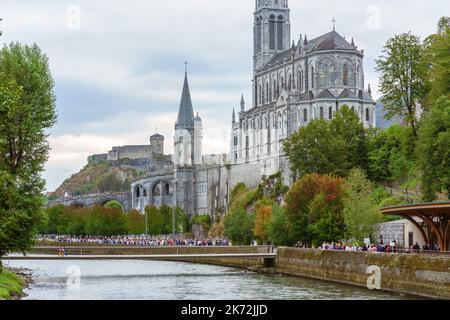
<point>293,84</point>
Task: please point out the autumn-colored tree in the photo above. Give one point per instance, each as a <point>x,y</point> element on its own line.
<point>314,206</point>
<point>262,219</point>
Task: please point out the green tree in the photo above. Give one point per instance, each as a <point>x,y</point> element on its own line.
<point>27,110</point>
<point>315,149</point>
<point>390,154</point>
<point>437,58</point>
<point>278,227</point>
<point>239,227</point>
<point>361,211</point>
<point>155,221</point>
<point>433,150</point>
<point>135,222</point>
<point>403,77</point>
<point>443,24</point>
<point>347,125</point>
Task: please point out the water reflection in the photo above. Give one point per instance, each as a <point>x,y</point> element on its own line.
<point>151,280</point>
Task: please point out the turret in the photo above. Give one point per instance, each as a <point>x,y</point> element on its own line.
<point>198,140</point>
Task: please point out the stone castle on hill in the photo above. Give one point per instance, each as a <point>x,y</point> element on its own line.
<point>293,84</point>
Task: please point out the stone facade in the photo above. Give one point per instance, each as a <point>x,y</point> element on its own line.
<point>292,85</point>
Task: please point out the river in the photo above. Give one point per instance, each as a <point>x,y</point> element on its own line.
<point>154,280</point>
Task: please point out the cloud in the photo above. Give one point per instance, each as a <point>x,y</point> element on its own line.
<point>118,66</point>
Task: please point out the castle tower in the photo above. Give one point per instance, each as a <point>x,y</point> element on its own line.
<point>272,30</point>
<point>157,144</point>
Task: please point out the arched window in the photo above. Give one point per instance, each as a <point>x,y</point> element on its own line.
<point>312,77</point>
<point>330,113</point>
<point>258,34</point>
<point>145,192</point>
<point>321,112</point>
<point>275,90</point>
<point>358,79</point>
<point>305,115</point>
<point>272,32</point>
<point>367,115</point>
<point>290,82</point>
<point>280,33</point>
<point>300,80</point>
<point>345,75</point>
<point>138,191</point>
<point>260,94</point>
<point>267,92</point>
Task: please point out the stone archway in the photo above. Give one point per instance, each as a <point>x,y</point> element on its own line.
<point>161,193</point>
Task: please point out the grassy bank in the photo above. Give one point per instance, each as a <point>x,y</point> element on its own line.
<point>11,285</point>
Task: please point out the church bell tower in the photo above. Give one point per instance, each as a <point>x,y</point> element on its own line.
<point>271,30</point>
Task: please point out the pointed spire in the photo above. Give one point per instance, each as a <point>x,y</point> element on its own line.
<point>369,90</point>
<point>306,41</point>
<point>242,103</point>
<point>353,42</point>
<point>234,116</point>
<point>185,113</point>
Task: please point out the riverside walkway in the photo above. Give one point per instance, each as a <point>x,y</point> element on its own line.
<point>143,256</point>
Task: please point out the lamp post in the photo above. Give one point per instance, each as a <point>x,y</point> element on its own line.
<point>174,205</point>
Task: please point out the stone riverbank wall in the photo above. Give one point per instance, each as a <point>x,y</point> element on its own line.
<point>416,274</point>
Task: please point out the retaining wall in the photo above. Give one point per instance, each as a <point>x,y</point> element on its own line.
<point>417,274</point>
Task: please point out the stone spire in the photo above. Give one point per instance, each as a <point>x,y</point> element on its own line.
<point>185,113</point>
<point>234,116</point>
<point>305,42</point>
<point>242,103</point>
<point>369,90</point>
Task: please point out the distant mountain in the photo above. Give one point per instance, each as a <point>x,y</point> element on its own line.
<point>382,122</point>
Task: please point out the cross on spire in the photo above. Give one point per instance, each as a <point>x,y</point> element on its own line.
<point>334,24</point>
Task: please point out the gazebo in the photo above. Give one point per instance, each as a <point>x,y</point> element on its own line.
<point>432,220</point>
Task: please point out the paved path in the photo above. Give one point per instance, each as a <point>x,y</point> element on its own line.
<point>144,257</point>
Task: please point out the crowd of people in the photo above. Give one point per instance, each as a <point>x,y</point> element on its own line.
<point>380,247</point>
<point>391,247</point>
<point>135,241</point>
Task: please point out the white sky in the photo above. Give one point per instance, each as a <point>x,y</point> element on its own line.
<point>118,65</point>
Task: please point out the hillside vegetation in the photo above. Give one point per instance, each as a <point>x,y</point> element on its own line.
<point>98,178</point>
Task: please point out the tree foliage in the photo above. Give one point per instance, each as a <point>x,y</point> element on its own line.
<point>390,153</point>
<point>433,150</point>
<point>278,227</point>
<point>361,210</point>
<point>314,149</point>
<point>403,77</point>
<point>263,215</point>
<point>239,227</point>
<point>314,207</point>
<point>437,57</point>
<point>27,110</point>
<point>328,147</point>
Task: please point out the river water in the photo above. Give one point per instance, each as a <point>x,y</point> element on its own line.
<point>154,280</point>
